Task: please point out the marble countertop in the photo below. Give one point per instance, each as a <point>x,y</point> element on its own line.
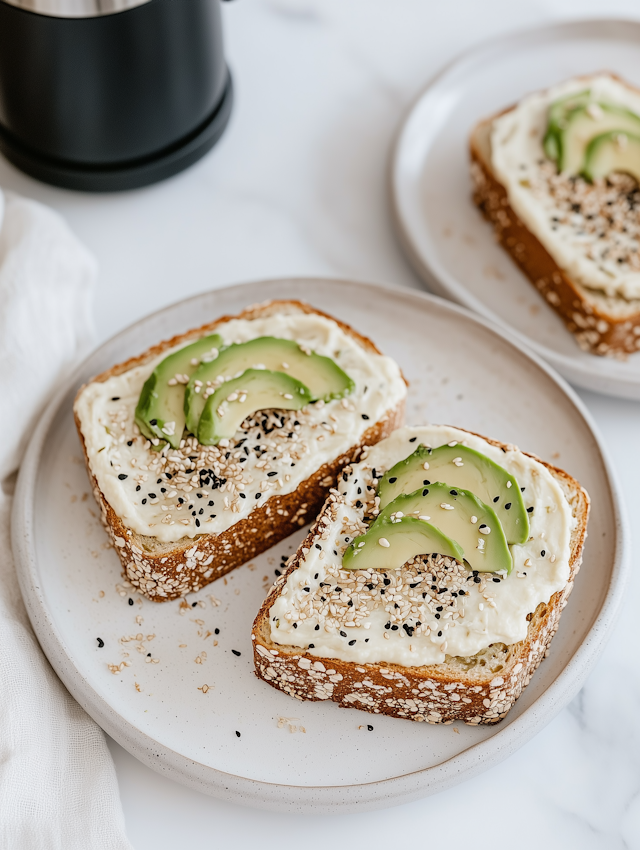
<point>297,186</point>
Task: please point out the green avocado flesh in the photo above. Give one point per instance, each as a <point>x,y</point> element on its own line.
<point>323,377</point>
<point>558,112</point>
<point>468,469</point>
<point>255,389</point>
<point>613,151</point>
<point>462,517</point>
<point>406,539</point>
<point>161,404</point>
<point>582,127</point>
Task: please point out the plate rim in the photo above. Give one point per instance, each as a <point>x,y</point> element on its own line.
<point>295,798</point>
<point>430,270</point>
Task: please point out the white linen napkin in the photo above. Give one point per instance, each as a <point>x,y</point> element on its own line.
<point>58,788</point>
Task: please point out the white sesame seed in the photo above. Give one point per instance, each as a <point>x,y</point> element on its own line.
<point>384,542</point>
<point>474,519</point>
<point>425,465</point>
<point>485,530</point>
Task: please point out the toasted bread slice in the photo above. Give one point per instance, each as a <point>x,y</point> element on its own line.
<point>167,570</point>
<point>602,324</point>
<point>479,689</point>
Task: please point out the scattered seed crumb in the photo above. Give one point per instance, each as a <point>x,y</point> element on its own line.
<point>183,646</point>
<point>215,602</point>
<point>204,690</point>
<point>138,688</point>
<point>101,594</point>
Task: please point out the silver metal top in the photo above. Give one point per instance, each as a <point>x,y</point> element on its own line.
<point>75,8</point>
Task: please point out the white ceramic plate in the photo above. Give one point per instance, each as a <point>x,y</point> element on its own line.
<point>448,241</point>
<point>461,372</point>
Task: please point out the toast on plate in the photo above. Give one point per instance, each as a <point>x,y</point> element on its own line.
<point>363,617</point>
<point>212,446</point>
<point>557,176</point>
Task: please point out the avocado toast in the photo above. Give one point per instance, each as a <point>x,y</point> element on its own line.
<point>370,616</point>
<point>557,176</point>
<point>212,446</point>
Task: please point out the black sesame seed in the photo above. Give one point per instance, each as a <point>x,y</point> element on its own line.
<point>129,442</point>
<point>295,625</point>
<point>212,516</point>
<point>201,511</point>
<point>497,581</point>
<point>153,422</point>
<point>426,481</point>
<point>345,477</point>
<point>144,501</point>
<point>413,439</point>
<point>496,498</point>
<point>235,652</point>
<point>338,589</point>
<point>358,503</point>
<point>477,579</point>
<point>351,642</point>
<point>369,727</point>
<point>130,601</point>
<point>507,506</point>
<point>100,643</point>
<point>482,525</point>
<point>243,495</point>
<point>394,628</point>
<point>453,492</point>
<point>343,634</point>
<point>543,553</point>
<point>258,495</point>
<point>393,480</point>
<point>437,616</point>
<point>318,546</point>
<point>439,634</point>
<point>152,495</point>
<point>271,474</point>
<point>306,589</point>
<point>122,476</point>
<point>425,492</point>
<point>115,398</point>
<point>193,604</point>
<point>216,631</point>
<point>530,510</point>
<point>197,523</point>
<point>237,734</point>
<point>462,593</point>
<point>210,504</point>
<point>138,488</point>
<point>317,628</point>
<point>522,489</point>
<point>365,416</point>
<point>312,646</point>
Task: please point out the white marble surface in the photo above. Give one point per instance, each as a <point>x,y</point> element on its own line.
<point>298,186</point>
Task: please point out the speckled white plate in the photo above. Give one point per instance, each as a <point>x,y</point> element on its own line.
<point>449,243</point>
<point>461,372</point>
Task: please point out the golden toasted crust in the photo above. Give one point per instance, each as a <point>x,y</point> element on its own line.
<point>592,317</point>
<point>168,571</point>
<point>478,690</point>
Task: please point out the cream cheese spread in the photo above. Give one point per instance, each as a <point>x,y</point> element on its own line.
<point>370,616</point>
<point>596,246</point>
<point>171,494</point>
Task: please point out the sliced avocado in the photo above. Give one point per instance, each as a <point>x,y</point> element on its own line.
<point>388,545</point>
<point>462,467</point>
<point>161,404</point>
<point>558,112</point>
<point>256,389</point>
<point>324,378</point>
<point>586,122</point>
<point>614,151</point>
<point>462,517</point>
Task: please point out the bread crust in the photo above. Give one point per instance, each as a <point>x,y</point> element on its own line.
<point>191,563</point>
<point>596,329</point>
<point>432,693</point>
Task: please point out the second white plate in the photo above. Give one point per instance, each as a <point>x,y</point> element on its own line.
<point>446,238</point>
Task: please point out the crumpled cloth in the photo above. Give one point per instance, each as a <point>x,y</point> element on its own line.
<point>58,787</point>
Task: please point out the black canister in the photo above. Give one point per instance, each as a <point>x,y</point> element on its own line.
<point>104,95</point>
